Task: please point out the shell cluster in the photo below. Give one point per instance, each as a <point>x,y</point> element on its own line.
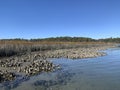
<point>7,76</point>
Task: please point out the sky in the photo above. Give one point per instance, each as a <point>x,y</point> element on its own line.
<point>53,18</point>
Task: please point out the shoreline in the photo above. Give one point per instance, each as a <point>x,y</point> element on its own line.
<point>36,62</point>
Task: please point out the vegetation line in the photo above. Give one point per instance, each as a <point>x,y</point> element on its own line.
<point>10,47</point>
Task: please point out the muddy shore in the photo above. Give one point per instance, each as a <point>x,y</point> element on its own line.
<point>35,62</point>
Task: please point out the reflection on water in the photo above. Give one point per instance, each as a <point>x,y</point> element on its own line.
<point>101,73</point>
<point>13,84</point>
<point>61,79</point>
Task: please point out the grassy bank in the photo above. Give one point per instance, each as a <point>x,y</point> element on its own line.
<point>18,47</point>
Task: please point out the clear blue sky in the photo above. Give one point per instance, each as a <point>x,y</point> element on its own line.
<point>51,18</point>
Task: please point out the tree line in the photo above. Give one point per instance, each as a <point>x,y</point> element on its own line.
<point>66,39</point>
<point>114,40</point>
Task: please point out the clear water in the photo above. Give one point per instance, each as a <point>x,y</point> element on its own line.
<point>101,73</point>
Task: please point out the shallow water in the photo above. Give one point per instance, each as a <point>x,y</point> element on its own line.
<point>101,73</point>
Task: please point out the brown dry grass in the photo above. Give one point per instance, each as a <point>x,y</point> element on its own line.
<point>16,47</point>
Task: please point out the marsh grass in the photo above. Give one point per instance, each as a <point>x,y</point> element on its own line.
<point>17,47</point>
